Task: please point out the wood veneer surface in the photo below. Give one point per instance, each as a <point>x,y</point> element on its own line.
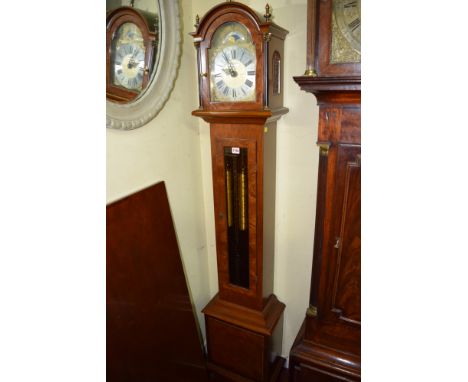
<point>152,334</point>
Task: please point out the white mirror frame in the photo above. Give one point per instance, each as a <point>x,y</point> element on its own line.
<point>139,112</point>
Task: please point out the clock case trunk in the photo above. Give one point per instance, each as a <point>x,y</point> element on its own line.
<point>244,322</point>
<point>145,21</point>
<point>328,345</point>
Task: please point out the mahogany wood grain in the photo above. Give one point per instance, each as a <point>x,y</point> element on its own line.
<point>152,334</point>
<point>310,361</point>
<point>239,340</point>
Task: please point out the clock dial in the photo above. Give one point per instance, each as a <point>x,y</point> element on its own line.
<point>233,65</point>
<point>346,31</point>
<point>128,57</point>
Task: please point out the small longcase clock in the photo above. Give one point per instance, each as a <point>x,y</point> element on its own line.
<point>240,82</point>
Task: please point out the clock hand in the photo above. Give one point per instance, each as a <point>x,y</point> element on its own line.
<point>232,71</point>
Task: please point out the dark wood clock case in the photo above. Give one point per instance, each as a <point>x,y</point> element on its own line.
<point>328,345</point>
<point>244,320</point>
<point>146,23</point>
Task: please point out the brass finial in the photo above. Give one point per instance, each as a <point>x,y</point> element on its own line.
<point>197,21</point>
<point>267,15</point>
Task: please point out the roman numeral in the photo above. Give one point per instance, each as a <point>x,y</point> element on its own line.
<point>234,94</point>
<point>226,91</point>
<point>242,55</point>
<point>352,4</point>
<point>251,72</point>
<point>249,83</point>
<point>248,63</point>
<point>353,25</point>
<point>233,54</point>
<point>220,84</point>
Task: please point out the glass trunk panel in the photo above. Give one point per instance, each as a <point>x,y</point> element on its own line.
<point>235,167</point>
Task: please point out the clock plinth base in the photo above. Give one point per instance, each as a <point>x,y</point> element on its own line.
<point>241,341</point>
<point>221,374</point>
<point>311,361</point>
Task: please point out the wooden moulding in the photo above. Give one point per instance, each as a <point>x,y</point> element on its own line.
<point>323,359</point>
<point>241,117</point>
<point>321,84</point>
<point>276,369</point>
<point>263,322</point>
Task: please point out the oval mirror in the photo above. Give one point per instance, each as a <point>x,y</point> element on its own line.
<point>142,58</point>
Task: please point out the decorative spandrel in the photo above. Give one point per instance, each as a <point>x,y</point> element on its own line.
<point>236,180</point>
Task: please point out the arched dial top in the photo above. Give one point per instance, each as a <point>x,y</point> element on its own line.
<point>128,57</point>
<point>232,64</point>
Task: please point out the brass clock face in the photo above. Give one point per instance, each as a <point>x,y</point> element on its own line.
<point>128,57</point>
<point>232,63</point>
<point>346,31</point>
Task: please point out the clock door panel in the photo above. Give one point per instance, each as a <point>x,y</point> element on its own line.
<point>346,282</point>
<point>343,302</point>
<point>338,275</point>
<point>235,197</point>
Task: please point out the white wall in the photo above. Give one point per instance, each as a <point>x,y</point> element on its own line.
<point>175,147</point>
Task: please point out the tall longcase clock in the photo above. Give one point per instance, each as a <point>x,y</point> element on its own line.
<point>240,64</point>
<point>328,346</point>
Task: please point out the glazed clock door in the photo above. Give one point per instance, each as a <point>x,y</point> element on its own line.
<point>232,65</point>
<point>235,171</point>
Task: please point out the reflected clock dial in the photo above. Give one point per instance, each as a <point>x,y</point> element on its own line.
<point>128,57</point>
<point>129,66</point>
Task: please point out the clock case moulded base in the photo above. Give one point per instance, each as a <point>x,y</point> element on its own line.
<point>243,344</point>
